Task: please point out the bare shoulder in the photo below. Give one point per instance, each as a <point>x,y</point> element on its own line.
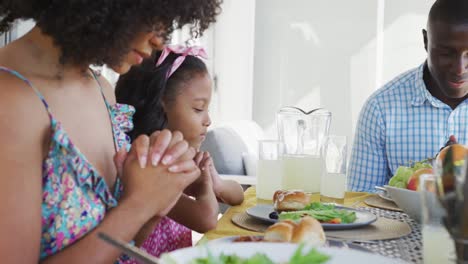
<point>107,88</point>
<point>21,110</point>
<point>23,117</point>
<point>22,137</point>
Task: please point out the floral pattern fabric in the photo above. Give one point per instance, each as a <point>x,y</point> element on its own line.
<point>75,196</point>
<point>167,236</point>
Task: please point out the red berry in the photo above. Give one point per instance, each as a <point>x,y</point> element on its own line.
<point>453,139</point>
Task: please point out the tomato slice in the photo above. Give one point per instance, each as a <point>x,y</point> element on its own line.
<point>335,221</point>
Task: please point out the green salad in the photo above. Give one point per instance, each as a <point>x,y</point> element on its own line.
<point>311,257</point>
<point>325,213</point>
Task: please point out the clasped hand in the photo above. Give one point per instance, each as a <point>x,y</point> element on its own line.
<point>156,170</point>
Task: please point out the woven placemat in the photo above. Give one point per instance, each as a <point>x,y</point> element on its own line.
<point>376,201</point>
<point>244,221</point>
<point>382,229</point>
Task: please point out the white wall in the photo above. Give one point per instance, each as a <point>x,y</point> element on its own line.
<point>23,27</point>
<point>233,54</point>
<point>19,29</point>
<point>332,54</point>
<point>403,45</point>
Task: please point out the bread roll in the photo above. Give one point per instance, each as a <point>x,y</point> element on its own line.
<point>309,231</point>
<point>279,232</point>
<point>290,200</point>
<point>291,222</point>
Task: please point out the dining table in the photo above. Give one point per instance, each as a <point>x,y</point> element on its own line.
<point>407,248</point>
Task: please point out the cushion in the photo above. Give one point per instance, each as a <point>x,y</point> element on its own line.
<point>226,148</point>
<point>249,131</point>
<point>250,163</point>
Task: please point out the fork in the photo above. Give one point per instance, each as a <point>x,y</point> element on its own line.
<point>130,250</point>
<point>380,188</point>
<point>344,240</point>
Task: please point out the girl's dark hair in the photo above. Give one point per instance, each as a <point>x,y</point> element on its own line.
<point>146,88</point>
<point>100,31</point>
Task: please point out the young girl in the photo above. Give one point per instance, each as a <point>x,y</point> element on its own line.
<point>173,90</point>
<point>61,129</point>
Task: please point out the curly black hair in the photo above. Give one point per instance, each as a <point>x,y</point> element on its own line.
<point>146,87</point>
<point>99,31</point>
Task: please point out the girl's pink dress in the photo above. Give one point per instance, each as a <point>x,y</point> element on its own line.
<point>167,236</point>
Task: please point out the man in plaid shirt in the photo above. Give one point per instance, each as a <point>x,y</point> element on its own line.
<point>413,116</point>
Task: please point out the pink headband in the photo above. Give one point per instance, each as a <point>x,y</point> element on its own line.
<point>196,51</point>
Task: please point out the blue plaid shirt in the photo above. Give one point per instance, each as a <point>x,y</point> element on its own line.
<point>399,123</point>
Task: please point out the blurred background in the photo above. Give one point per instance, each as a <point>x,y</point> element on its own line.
<point>266,54</point>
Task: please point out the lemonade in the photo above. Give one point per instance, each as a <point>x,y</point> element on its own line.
<point>438,246</point>
<point>333,187</point>
<point>302,172</point>
<point>268,178</point>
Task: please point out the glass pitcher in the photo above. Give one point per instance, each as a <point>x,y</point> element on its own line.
<point>304,135</point>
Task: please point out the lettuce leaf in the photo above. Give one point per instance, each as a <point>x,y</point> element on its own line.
<point>311,257</point>
<point>321,212</point>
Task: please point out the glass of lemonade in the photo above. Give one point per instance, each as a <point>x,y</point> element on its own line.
<point>302,172</point>
<point>269,168</point>
<point>335,155</point>
<point>438,245</point>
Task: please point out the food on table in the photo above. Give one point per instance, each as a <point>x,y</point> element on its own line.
<point>451,157</point>
<point>413,181</point>
<point>290,200</point>
<point>404,173</point>
<point>248,239</point>
<point>280,232</point>
<point>459,153</point>
<point>324,213</point>
<point>309,231</point>
<point>313,256</point>
<point>451,160</point>
<point>273,215</point>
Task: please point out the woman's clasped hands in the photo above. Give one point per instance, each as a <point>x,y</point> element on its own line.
<point>156,171</point>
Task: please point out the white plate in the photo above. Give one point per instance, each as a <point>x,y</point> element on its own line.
<point>385,196</point>
<point>277,252</point>
<point>329,243</point>
<point>382,193</point>
<point>262,212</point>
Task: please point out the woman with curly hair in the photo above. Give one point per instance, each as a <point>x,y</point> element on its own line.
<point>65,173</point>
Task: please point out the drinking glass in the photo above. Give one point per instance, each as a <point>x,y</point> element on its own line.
<point>269,168</point>
<point>438,246</point>
<point>334,173</point>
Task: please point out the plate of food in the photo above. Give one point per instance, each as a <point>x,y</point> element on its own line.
<point>264,252</point>
<point>293,205</point>
<point>307,230</point>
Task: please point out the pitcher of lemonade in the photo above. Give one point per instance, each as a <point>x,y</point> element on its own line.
<point>303,134</point>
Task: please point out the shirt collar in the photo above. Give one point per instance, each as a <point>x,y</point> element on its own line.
<point>421,94</point>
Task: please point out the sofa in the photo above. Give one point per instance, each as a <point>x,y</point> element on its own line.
<point>234,148</point>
